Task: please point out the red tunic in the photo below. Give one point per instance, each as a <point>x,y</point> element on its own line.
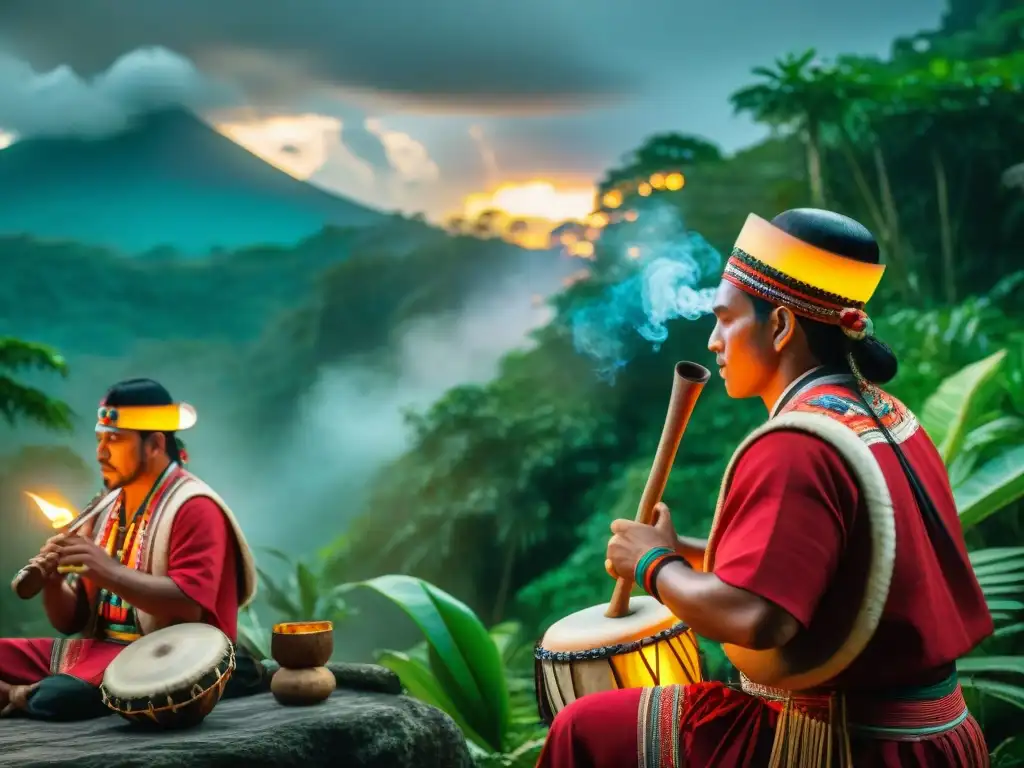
<point>794,531</point>
<point>203,563</point>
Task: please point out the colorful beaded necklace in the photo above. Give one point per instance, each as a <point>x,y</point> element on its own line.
<point>117,617</point>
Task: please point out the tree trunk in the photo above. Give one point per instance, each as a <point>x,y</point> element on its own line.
<point>892,218</point>
<point>814,174</point>
<point>870,201</point>
<point>505,585</point>
<point>945,227</point>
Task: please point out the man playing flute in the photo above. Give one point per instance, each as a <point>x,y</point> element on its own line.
<point>163,549</point>
<point>835,573</point>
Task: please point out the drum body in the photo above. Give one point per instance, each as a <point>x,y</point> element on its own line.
<point>170,679</point>
<point>587,653</point>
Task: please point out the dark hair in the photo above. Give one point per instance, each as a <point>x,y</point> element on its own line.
<point>830,346</point>
<point>145,392</point>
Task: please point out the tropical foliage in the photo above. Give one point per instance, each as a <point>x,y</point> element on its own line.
<point>303,591</point>
<point>21,402</point>
<point>498,512</point>
<point>972,419</point>
<point>558,453</point>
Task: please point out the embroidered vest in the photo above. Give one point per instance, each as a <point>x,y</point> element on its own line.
<point>146,547</point>
<point>833,413</point>
<point>839,403</point>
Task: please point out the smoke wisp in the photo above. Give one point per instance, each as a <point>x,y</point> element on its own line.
<point>659,275</point>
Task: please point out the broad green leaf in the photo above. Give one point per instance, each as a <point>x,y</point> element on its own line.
<point>526,755</point>
<point>946,411</point>
<point>1009,630</point>
<point>470,662</point>
<point>1005,606</point>
<point>988,555</point>
<point>309,590</point>
<point>997,569</point>
<point>1002,589</point>
<point>973,665</point>
<point>421,684</point>
<point>1001,428</point>
<point>994,485</point>
<point>1008,578</point>
<point>1009,753</point>
<point>279,555</point>
<point>1013,694</point>
<point>961,467</point>
<point>278,599</point>
<point>508,638</point>
<point>253,634</point>
<point>483,656</point>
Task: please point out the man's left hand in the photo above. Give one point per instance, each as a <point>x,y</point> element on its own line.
<point>631,540</point>
<point>85,553</point>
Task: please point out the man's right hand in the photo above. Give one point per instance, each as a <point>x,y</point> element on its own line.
<point>48,557</point>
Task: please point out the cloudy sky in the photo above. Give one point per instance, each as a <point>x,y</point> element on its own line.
<point>423,105</point>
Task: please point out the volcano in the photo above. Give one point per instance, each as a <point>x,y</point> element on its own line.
<point>170,181</point>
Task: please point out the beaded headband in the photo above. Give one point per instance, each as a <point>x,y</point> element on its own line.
<point>146,418</point>
<point>778,267</point>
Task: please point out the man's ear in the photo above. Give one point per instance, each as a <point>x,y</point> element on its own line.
<point>783,327</point>
<point>157,442</point>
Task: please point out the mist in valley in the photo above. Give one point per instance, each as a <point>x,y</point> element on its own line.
<point>351,419</point>
<point>301,492</point>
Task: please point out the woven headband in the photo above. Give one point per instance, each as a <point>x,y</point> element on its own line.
<point>818,284</point>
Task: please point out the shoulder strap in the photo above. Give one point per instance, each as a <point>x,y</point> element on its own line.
<point>772,667</point>
<point>189,487</point>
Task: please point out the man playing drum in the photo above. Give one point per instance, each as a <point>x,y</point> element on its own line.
<point>835,573</point>
<point>163,549</point>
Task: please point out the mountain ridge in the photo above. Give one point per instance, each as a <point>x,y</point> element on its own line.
<point>171,182</point>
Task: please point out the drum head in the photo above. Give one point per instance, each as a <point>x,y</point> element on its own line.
<point>589,629</point>
<point>166,660</point>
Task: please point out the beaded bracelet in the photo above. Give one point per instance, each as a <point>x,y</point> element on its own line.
<point>651,585</point>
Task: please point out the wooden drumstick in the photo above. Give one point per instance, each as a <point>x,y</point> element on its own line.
<point>687,385</point>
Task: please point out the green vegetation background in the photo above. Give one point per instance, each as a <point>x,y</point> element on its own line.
<point>504,496</point>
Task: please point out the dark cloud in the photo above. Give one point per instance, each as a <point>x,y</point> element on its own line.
<point>452,50</point>
<point>363,143</point>
<point>546,78</point>
<point>60,102</point>
<point>475,55</point>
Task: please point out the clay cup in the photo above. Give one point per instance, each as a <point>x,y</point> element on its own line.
<point>302,644</point>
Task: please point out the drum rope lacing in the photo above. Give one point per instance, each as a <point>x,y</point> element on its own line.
<point>222,678</point>
<point>593,654</point>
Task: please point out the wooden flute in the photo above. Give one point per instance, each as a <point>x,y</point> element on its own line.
<point>29,581</point>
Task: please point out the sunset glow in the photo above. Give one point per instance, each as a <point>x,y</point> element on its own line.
<point>521,212</point>
<point>533,200</point>
<point>313,147</point>
<point>526,213</point>
<point>296,144</point>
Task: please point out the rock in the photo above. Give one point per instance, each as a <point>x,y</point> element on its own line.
<point>352,729</point>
